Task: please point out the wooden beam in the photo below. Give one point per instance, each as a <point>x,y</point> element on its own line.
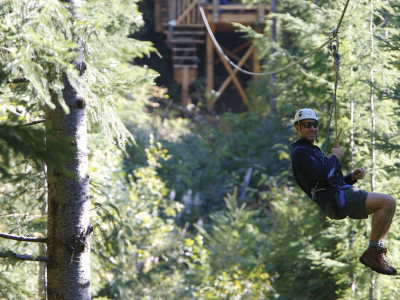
<point>228,79</point>
<point>239,7</point>
<point>186,12</point>
<point>233,77</point>
<point>210,60</point>
<point>157,16</point>
<point>248,18</point>
<point>233,56</point>
<point>185,86</point>
<point>235,50</point>
<point>242,46</point>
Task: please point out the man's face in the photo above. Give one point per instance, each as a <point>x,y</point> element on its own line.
<point>310,134</point>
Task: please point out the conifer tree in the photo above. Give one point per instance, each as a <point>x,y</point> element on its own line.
<point>45,47</point>
<point>69,228</point>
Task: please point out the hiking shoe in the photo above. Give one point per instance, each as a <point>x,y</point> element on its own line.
<point>375,259</point>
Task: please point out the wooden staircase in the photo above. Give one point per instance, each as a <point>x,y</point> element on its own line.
<point>184,56</point>
<point>181,22</point>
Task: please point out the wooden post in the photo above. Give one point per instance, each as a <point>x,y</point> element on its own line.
<point>210,61</point>
<point>215,11</point>
<point>157,16</point>
<point>185,85</point>
<point>171,19</point>
<point>256,63</point>
<point>261,12</point>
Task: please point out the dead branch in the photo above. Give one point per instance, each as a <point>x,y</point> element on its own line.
<point>10,254</point>
<point>34,122</point>
<point>23,238</point>
<point>19,80</point>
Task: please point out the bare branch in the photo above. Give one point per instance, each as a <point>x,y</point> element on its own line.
<point>10,254</point>
<point>5,49</point>
<point>19,80</point>
<point>35,122</point>
<point>23,238</point>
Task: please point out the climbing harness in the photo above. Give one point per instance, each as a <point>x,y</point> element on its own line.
<point>342,197</point>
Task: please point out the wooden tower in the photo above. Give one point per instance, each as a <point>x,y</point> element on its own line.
<point>181,22</point>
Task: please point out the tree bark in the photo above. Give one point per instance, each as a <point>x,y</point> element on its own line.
<point>69,227</point>
<point>42,268</point>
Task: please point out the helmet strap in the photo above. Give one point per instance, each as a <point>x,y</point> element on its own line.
<point>300,133</point>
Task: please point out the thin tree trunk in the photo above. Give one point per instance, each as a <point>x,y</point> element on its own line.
<point>272,76</point>
<point>372,288</point>
<point>351,158</point>
<point>69,227</point>
<point>372,104</point>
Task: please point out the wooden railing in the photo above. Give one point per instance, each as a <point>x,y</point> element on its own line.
<point>185,13</point>
<point>235,8</point>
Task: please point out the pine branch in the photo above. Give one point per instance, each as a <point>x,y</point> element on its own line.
<point>24,256</point>
<point>35,122</point>
<point>23,238</point>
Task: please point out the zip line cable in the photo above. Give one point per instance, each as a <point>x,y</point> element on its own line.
<point>341,19</point>
<point>333,37</point>
<point>218,47</point>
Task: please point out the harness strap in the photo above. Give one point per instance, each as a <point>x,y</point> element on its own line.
<point>342,197</point>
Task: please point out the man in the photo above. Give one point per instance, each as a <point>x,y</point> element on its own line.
<point>322,180</point>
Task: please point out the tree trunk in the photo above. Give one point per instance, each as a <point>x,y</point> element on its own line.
<point>372,104</point>
<point>69,225</point>
<point>272,76</point>
<point>351,157</point>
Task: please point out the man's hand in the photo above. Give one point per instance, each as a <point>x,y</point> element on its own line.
<point>358,174</point>
<point>338,152</point>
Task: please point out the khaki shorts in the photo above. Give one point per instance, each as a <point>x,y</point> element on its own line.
<point>355,204</point>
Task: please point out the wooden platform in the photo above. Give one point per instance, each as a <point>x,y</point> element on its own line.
<point>181,22</point>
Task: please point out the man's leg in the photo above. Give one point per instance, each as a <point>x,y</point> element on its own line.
<point>382,207</point>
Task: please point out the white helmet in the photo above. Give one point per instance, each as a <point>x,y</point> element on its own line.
<point>305,113</point>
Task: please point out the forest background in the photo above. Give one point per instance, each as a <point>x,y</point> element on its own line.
<point>174,216</point>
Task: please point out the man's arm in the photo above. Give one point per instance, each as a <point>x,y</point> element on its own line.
<point>353,177</point>
<point>338,152</point>
<point>313,164</point>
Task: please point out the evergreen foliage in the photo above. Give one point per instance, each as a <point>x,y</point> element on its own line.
<point>37,40</point>
<point>232,264</point>
<point>174,217</point>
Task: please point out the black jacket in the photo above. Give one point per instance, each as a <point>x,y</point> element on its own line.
<point>310,166</point>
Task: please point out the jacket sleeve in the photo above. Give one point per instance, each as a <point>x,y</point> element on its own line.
<point>347,179</point>
<point>314,164</point>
